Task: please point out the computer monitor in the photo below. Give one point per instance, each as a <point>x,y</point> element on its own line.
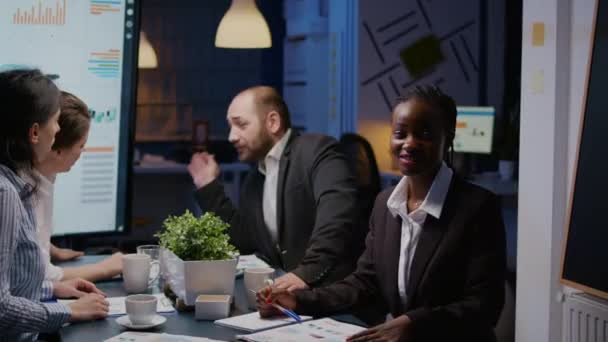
<point>474,128</point>
<point>89,48</point>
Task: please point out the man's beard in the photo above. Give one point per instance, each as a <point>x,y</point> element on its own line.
<point>262,149</point>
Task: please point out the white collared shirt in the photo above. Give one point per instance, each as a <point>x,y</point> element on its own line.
<point>43,209</point>
<point>269,167</point>
<point>412,223</point>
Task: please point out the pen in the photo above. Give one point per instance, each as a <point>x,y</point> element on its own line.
<point>287,312</point>
<point>284,310</point>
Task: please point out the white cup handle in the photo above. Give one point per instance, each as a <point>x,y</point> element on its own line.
<point>154,264</point>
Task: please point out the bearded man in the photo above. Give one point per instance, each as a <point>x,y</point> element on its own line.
<point>297,207</point>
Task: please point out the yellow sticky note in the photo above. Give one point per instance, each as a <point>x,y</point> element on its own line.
<point>538,34</point>
<point>538,82</point>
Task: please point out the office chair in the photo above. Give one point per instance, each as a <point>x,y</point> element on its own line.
<point>362,161</point>
<point>360,157</point>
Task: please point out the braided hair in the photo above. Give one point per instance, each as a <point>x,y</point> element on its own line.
<point>444,105</point>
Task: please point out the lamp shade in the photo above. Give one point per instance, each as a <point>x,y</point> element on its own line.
<point>147,55</point>
<point>243,27</point>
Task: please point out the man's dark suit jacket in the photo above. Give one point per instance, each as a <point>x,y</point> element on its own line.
<point>316,212</point>
<point>456,287</point>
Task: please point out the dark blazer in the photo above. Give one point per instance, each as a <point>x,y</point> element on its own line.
<point>316,212</point>
<point>456,287</point>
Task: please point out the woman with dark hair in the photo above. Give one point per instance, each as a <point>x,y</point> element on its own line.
<point>30,111</point>
<point>435,252</point>
<point>75,122</point>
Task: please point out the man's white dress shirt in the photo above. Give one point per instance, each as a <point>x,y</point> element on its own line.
<point>269,167</point>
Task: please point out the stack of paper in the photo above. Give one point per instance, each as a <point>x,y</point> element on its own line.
<point>131,336</point>
<point>322,330</point>
<point>117,304</point>
<point>252,322</point>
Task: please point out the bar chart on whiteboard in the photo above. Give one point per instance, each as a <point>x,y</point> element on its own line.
<point>81,45</point>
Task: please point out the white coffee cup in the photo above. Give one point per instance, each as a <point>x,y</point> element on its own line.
<point>141,308</point>
<point>255,280</point>
<point>136,272</point>
<point>154,252</point>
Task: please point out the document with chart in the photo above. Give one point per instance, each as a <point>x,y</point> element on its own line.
<point>321,330</point>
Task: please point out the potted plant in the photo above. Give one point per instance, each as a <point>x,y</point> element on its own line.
<point>509,149</point>
<point>196,256</point>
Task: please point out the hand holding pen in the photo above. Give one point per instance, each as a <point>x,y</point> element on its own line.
<point>273,301</point>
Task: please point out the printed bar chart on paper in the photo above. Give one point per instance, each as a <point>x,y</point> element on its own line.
<point>105,64</point>
<point>49,13</point>
<point>105,6</point>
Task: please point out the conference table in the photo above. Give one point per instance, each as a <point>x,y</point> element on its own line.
<point>179,323</point>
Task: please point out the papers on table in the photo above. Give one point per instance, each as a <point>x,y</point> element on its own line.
<point>131,336</point>
<point>250,261</point>
<point>321,330</point>
<point>117,305</point>
<point>252,322</point>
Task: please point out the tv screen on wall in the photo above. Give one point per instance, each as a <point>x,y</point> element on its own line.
<point>89,48</point>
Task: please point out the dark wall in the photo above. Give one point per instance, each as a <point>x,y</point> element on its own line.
<point>196,80</point>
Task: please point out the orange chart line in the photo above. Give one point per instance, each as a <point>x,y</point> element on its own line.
<point>99,149</point>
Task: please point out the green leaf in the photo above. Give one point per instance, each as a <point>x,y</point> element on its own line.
<point>192,238</point>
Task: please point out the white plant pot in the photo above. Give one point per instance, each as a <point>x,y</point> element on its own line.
<point>188,279</point>
<point>506,169</point>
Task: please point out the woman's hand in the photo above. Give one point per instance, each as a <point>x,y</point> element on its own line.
<point>395,330</point>
<point>269,295</point>
<point>89,307</point>
<point>75,288</point>
<point>64,254</point>
<point>111,266</point>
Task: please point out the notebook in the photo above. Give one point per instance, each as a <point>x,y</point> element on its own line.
<point>321,330</point>
<point>118,308</point>
<point>252,322</point>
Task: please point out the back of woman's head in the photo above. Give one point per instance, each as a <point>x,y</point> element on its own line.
<point>26,97</point>
<point>74,121</point>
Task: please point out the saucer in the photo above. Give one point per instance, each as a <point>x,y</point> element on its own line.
<point>126,322</point>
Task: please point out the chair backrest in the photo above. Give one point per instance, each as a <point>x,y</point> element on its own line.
<point>361,158</point>
<point>362,161</point>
